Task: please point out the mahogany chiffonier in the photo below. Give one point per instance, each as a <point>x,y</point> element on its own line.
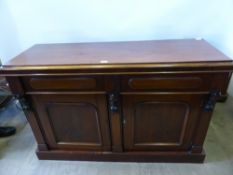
<point>138,101</point>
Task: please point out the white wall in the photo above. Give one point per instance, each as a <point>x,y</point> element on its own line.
<point>26,22</point>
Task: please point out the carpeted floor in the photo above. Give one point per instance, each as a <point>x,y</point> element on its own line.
<point>17,152</point>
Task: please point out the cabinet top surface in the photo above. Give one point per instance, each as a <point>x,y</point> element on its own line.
<point>110,53</point>
<point>120,52</point>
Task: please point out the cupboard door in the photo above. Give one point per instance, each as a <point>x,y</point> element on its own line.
<point>160,122</point>
<point>74,121</point>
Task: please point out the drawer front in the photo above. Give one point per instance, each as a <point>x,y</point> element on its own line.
<point>63,83</point>
<point>191,82</point>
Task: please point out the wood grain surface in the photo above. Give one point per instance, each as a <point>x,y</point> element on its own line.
<point>160,51</point>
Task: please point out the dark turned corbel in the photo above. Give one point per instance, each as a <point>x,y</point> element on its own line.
<point>114,102</point>
<point>23,102</point>
<point>210,102</point>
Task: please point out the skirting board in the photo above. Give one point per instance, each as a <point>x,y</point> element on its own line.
<point>185,157</point>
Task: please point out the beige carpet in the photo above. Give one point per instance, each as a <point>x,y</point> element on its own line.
<point>17,154</point>
<point>11,115</point>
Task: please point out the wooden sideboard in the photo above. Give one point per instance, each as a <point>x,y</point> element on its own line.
<point>120,101</point>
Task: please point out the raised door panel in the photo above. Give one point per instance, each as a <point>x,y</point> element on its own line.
<point>160,122</point>
<point>74,121</point>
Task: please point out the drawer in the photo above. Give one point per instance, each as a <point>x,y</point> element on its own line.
<point>70,83</point>
<point>187,82</point>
